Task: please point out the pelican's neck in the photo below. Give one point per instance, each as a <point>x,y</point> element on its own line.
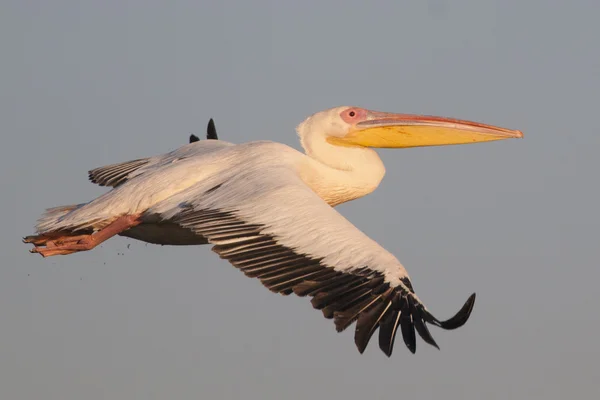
<point>336,173</point>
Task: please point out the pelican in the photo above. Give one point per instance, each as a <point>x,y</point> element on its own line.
<point>269,210</point>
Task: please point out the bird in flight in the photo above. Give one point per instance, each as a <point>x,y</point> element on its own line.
<point>269,210</point>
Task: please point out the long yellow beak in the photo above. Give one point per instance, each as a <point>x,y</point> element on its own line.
<point>387,130</point>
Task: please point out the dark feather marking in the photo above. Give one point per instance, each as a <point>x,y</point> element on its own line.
<point>209,218</point>
<point>225,250</point>
<point>219,229</point>
<point>325,298</point>
<point>458,320</point>
<point>248,231</point>
<point>367,323</point>
<point>236,240</point>
<point>263,272</point>
<point>362,294</point>
<point>422,329</point>
<point>348,301</point>
<point>256,254</point>
<point>408,328</point>
<point>211,133</point>
<point>249,250</point>
<point>387,331</point>
<point>286,281</point>
<point>231,236</point>
<point>261,263</point>
<point>215,222</point>
<point>188,211</point>
<point>345,301</point>
<point>297,266</point>
<point>407,283</point>
<point>211,130</point>
<point>359,297</point>
<point>267,265</point>
<point>115,174</point>
<point>271,266</point>
<point>344,319</point>
<point>312,288</point>
<point>213,227</point>
<point>224,224</point>
<point>212,189</point>
<point>330,276</point>
<point>287,273</point>
<point>257,274</point>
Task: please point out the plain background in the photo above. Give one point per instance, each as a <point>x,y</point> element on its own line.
<point>88,83</point>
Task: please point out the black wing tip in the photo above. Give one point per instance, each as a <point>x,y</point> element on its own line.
<point>211,130</point>
<point>92,177</point>
<point>461,317</point>
<point>194,138</point>
<point>410,318</point>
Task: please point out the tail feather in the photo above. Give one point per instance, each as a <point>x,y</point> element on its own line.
<point>52,216</point>
<point>48,226</point>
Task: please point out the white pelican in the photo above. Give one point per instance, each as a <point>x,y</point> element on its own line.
<point>268,210</point>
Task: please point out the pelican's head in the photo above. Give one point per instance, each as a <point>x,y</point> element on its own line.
<point>354,126</point>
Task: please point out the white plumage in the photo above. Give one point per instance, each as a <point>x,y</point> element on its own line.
<point>267,209</point>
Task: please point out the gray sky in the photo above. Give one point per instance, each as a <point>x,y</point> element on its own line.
<point>84,84</point>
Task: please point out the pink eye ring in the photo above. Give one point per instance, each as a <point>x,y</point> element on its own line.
<point>352,115</point>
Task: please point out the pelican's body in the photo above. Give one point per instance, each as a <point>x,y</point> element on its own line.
<point>267,208</point>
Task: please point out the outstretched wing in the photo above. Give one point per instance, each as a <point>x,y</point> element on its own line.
<point>273,227</point>
<point>114,175</point>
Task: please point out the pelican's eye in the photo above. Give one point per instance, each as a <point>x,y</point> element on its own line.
<point>353,115</point>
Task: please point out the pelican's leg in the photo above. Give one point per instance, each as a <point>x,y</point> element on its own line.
<point>70,244</point>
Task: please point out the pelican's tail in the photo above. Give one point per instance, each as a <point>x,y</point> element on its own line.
<point>52,216</point>
<point>55,238</point>
<point>46,224</point>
